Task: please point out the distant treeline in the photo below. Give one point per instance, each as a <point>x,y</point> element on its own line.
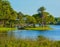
<point>10,18</point>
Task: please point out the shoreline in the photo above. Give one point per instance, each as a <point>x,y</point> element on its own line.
<point>5,29</point>
<point>40,28</point>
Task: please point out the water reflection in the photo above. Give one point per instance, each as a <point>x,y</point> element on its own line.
<point>32,34</point>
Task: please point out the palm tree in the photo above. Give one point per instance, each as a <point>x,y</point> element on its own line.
<point>41,12</point>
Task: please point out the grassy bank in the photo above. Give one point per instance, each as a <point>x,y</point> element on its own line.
<point>40,42</point>
<point>39,28</point>
<point>6,29</point>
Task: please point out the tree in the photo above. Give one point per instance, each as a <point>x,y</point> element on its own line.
<point>51,19</point>
<point>45,17</point>
<point>38,18</point>
<point>20,18</point>
<point>57,19</point>
<point>30,20</point>
<point>7,13</point>
<point>41,12</point>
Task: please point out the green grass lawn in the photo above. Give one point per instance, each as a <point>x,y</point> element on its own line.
<point>39,28</point>
<point>6,29</point>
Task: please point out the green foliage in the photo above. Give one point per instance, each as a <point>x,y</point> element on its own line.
<point>44,18</point>
<point>30,19</point>
<point>57,21</point>
<point>20,18</point>
<point>39,42</point>
<point>6,12</point>
<point>42,9</point>
<point>9,17</point>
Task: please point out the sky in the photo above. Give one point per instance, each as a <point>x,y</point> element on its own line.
<point>30,7</point>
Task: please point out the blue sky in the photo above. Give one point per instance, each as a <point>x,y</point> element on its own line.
<point>30,6</point>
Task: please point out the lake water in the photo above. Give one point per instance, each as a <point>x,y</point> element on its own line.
<point>33,34</point>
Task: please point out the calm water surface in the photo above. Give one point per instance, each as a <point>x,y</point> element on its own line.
<point>33,34</point>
